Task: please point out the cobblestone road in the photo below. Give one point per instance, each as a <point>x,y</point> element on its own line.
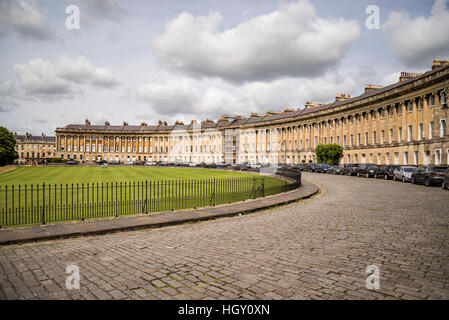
<point>316,249</point>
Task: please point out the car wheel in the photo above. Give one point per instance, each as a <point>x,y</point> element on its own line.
<point>386,177</point>
<point>427,182</point>
<point>394,178</point>
<point>403,179</point>
<point>443,185</point>
<point>413,180</point>
<point>375,176</point>
<point>358,174</point>
<point>367,175</point>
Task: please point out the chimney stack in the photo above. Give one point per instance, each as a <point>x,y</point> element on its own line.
<point>309,105</point>
<point>408,75</point>
<point>372,87</point>
<point>342,96</point>
<point>439,63</point>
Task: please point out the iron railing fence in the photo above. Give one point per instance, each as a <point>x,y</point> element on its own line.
<point>48,203</point>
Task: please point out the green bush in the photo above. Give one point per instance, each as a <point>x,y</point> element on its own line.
<point>329,153</point>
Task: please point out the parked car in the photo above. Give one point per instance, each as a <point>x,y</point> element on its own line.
<point>367,170</point>
<point>322,168</point>
<point>163,163</point>
<point>221,164</point>
<point>429,175</point>
<point>71,163</point>
<point>350,169</point>
<point>313,167</point>
<point>300,167</point>
<point>335,170</point>
<point>150,163</point>
<point>404,173</point>
<point>101,162</point>
<point>129,163</point>
<point>387,171</point>
<point>445,184</point>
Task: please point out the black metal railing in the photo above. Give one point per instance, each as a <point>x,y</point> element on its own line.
<point>48,203</point>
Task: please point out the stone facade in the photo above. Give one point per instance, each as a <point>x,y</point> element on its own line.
<point>34,148</point>
<point>402,123</point>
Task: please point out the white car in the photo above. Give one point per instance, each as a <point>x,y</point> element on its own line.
<point>404,173</point>
<point>150,163</point>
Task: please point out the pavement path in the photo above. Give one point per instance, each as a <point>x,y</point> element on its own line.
<point>315,249</point>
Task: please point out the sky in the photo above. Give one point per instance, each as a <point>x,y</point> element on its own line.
<point>144,61</point>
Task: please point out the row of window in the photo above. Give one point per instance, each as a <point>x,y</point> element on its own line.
<point>397,158</point>
<point>251,147</point>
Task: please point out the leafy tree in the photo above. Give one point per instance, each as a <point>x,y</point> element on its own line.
<point>7,144</point>
<point>329,153</point>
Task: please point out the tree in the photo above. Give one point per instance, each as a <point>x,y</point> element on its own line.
<point>329,153</point>
<point>7,144</point>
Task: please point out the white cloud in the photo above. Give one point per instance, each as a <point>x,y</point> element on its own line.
<point>8,96</point>
<point>94,11</point>
<point>291,41</point>
<point>390,78</point>
<point>25,18</point>
<point>418,40</point>
<point>61,78</point>
<point>39,119</point>
<point>175,96</point>
<point>183,98</point>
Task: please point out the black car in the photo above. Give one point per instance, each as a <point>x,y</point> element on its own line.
<point>429,175</point>
<point>71,163</point>
<point>100,162</point>
<point>313,167</point>
<point>367,170</point>
<point>387,171</point>
<point>323,168</point>
<point>163,164</point>
<point>335,170</point>
<point>350,169</point>
<point>300,167</point>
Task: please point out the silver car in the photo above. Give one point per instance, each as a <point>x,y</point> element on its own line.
<point>404,173</point>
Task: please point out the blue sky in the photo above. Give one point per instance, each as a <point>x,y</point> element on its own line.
<point>141,61</point>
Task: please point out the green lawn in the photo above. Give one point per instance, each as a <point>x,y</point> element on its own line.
<point>81,174</point>
<point>78,192</point>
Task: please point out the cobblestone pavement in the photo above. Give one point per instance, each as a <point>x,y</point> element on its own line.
<point>315,249</point>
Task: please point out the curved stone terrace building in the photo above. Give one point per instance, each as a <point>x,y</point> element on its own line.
<point>402,123</point>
